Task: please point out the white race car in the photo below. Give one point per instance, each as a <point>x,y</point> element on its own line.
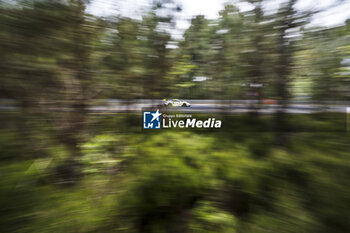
<point>176,103</point>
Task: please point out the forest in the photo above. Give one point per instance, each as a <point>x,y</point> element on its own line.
<point>67,168</point>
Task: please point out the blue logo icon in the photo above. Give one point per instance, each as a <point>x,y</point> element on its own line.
<point>151,120</point>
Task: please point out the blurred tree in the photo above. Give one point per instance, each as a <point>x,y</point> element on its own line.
<point>286,24</point>
<point>180,76</point>
<point>29,46</point>
<point>228,39</point>
<point>47,48</point>
<point>77,45</point>
<point>139,55</point>
<point>255,54</point>
<point>196,45</point>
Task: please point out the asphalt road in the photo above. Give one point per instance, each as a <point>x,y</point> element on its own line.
<point>203,106</point>
<point>228,108</point>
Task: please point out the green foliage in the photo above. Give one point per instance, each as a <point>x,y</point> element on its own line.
<point>63,170</point>
<point>209,219</point>
<point>183,182</point>
<point>102,152</point>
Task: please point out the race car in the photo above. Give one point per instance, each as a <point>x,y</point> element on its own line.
<point>176,103</point>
